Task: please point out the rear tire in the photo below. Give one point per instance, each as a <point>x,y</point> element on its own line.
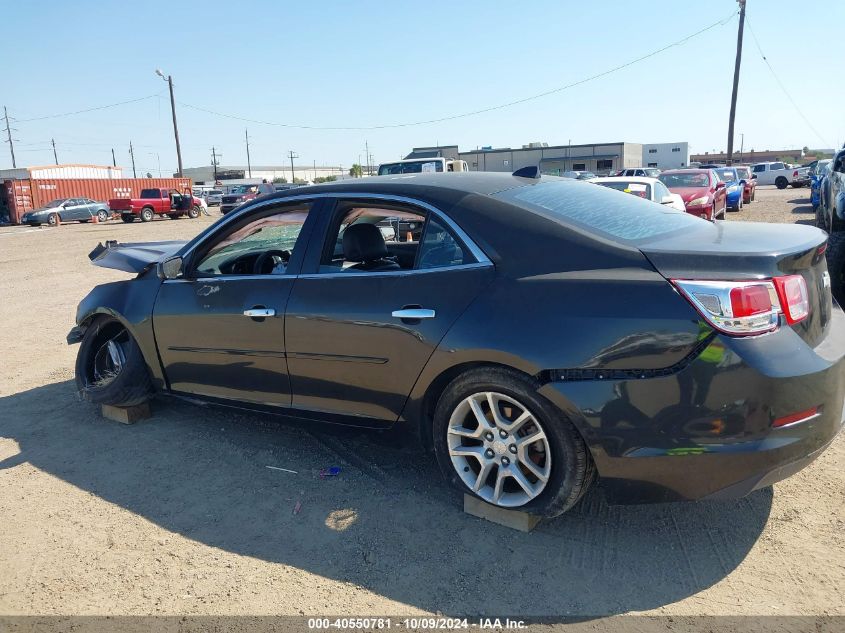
<point>836,265</point>
<point>568,467</point>
<point>147,214</point>
<point>781,182</point>
<point>102,215</point>
<point>127,217</point>
<point>194,212</point>
<point>102,379</point>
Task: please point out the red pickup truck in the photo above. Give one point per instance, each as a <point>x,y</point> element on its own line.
<point>156,202</point>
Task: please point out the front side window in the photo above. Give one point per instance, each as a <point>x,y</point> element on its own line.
<point>386,238</point>
<point>759,169</point>
<point>261,246</point>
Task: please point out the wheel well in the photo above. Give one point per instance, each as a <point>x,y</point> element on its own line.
<point>438,386</point>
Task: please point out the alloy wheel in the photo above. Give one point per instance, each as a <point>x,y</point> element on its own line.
<point>499,449</point>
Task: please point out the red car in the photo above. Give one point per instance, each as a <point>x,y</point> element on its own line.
<point>702,191</point>
<point>156,202</point>
<point>749,183</point>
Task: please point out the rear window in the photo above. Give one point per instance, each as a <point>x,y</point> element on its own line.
<point>150,193</point>
<point>728,175</point>
<point>627,219</point>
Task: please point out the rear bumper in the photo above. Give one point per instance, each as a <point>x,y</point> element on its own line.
<point>706,430</point>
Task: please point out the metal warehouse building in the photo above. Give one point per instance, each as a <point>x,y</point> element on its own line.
<point>599,158</point>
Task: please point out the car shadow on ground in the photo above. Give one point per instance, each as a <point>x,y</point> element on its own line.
<point>387,522</point>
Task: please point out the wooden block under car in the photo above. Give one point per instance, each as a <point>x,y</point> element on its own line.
<point>513,519</point>
<point>127,415</point>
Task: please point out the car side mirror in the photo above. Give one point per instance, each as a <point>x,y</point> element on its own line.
<point>170,268</point>
<point>667,200</point>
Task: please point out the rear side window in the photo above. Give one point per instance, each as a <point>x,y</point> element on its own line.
<point>626,219</point>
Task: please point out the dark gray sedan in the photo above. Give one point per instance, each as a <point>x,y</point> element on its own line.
<point>67,210</point>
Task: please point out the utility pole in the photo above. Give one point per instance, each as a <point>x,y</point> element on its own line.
<point>55,157</point>
<point>248,165</point>
<point>367,150</point>
<point>741,145</point>
<point>113,159</point>
<point>292,156</point>
<point>9,134</point>
<point>315,169</point>
<point>729,158</point>
<point>132,154</point>
<point>215,162</point>
<point>169,80</point>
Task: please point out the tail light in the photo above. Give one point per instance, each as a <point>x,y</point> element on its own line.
<point>744,308</point>
<point>795,174</point>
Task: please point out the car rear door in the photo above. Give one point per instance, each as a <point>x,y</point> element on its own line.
<point>220,327</point>
<point>358,340</point>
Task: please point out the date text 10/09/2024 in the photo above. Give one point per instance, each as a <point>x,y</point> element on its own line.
<point>414,624</point>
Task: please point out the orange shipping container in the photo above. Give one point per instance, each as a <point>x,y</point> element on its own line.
<point>28,194</point>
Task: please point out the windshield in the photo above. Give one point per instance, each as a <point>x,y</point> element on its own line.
<point>244,189</point>
<point>728,175</point>
<point>652,172</point>
<point>417,167</point>
<point>639,189</point>
<point>685,180</point>
<point>55,203</point>
<point>626,219</point>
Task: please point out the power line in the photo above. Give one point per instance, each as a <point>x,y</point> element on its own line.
<point>501,106</point>
<point>103,107</point>
<point>780,84</point>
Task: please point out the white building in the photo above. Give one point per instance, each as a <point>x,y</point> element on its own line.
<point>666,155</point>
<point>257,173</point>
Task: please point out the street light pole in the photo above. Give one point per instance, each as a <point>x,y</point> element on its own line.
<point>169,80</point>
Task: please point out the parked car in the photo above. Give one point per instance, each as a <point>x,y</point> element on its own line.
<point>67,210</point>
<point>579,175</point>
<point>780,174</point>
<point>650,172</point>
<point>702,191</point>
<point>832,212</point>
<point>749,183</point>
<point>154,202</point>
<point>554,332</point>
<point>733,186</point>
<point>647,188</point>
<point>214,197</point>
<point>243,193</point>
<point>818,172</point>
<point>422,165</point>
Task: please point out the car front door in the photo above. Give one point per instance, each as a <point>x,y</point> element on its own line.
<point>361,326</point>
<point>220,327</point>
<point>73,210</point>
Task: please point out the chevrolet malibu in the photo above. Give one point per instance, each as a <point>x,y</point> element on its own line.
<point>537,334</point>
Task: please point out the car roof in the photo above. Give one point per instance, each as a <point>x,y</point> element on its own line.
<point>687,171</point>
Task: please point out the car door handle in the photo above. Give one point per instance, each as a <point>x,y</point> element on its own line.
<point>260,312</point>
<point>413,313</point>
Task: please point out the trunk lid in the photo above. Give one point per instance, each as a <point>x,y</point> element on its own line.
<point>739,251</point>
<point>133,257</point>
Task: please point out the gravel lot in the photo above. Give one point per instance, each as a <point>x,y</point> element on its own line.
<point>180,514</point>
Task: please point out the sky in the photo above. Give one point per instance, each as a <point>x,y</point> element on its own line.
<point>370,64</point>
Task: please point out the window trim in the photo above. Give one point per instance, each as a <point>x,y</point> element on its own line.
<point>320,202</point>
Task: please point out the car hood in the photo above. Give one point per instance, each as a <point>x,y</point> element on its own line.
<point>690,193</point>
<point>133,257</point>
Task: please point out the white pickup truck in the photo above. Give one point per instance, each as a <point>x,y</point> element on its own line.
<point>780,174</point>
<point>421,165</point>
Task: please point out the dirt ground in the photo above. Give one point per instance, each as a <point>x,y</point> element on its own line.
<point>181,514</point>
